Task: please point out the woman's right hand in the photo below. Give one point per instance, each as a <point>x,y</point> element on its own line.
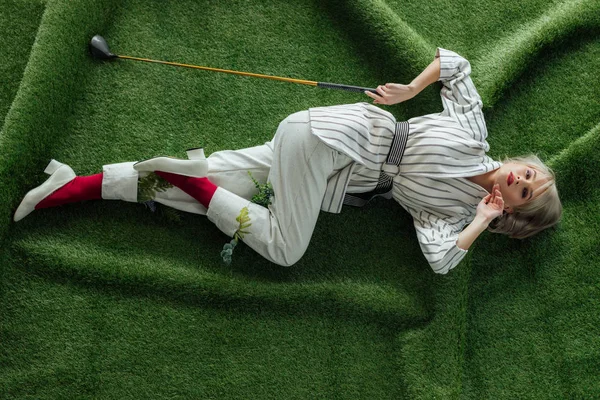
<point>491,206</point>
<point>392,93</point>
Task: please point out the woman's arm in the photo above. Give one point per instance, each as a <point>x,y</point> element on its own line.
<point>488,209</point>
<point>467,237</point>
<point>393,93</point>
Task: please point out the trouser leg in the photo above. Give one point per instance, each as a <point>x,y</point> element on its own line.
<point>228,169</point>
<point>296,163</point>
<point>299,172</point>
<point>120,182</point>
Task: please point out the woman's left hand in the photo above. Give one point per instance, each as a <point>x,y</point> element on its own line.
<point>492,205</point>
<point>392,93</point>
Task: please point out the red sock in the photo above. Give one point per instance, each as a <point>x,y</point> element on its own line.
<point>79,189</point>
<point>199,188</point>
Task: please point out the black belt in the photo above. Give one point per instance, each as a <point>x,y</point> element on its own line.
<point>384,183</point>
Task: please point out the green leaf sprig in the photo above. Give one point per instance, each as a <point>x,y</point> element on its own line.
<point>265,192</point>
<point>149,185</point>
<point>264,197</point>
<point>243,220</point>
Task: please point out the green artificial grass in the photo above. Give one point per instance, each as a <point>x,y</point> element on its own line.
<point>20,20</point>
<point>110,300</point>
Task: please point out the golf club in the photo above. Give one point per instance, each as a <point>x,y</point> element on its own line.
<point>99,49</point>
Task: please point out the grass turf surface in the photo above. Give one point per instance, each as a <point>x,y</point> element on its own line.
<point>108,300</point>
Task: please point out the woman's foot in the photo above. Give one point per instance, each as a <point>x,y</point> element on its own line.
<point>62,187</point>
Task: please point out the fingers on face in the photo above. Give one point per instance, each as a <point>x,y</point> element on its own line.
<point>496,191</point>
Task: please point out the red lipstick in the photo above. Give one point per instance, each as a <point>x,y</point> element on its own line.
<point>510,179</point>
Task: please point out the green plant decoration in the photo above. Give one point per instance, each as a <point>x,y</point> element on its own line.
<point>263,198</point>
<point>149,185</point>
<point>244,222</point>
<point>265,192</point>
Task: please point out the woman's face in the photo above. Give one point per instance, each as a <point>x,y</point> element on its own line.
<point>519,184</point>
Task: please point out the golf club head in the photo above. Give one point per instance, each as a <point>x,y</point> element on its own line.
<point>99,48</point>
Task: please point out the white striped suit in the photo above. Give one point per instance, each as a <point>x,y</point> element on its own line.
<point>441,151</point>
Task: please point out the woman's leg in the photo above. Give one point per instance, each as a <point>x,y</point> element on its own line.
<point>227,169</point>
<point>296,163</point>
<point>120,182</point>
<point>299,172</point>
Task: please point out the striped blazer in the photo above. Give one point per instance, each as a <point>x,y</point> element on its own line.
<point>441,150</point>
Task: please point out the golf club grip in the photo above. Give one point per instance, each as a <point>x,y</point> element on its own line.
<point>358,89</point>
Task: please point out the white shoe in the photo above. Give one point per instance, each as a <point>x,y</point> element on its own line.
<point>196,167</point>
<point>60,175</point>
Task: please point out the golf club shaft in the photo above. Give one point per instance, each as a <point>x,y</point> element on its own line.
<point>276,78</point>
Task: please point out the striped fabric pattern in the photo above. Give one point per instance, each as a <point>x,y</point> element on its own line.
<point>365,134</point>
<point>384,183</point>
<point>441,150</point>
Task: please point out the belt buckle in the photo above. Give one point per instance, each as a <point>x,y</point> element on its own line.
<point>391,170</point>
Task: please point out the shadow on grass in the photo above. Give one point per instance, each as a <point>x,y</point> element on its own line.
<point>124,248</point>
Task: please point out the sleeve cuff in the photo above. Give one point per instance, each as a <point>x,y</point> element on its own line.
<point>448,64</point>
<point>223,210</point>
<point>455,256</point>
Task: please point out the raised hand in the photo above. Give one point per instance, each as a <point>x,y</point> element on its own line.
<point>492,205</point>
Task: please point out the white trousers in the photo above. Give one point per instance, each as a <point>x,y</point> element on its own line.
<point>296,163</point>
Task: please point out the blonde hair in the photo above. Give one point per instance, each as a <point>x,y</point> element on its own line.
<point>536,215</point>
